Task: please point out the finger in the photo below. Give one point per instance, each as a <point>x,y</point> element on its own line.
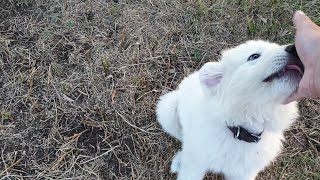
<point>301,20</point>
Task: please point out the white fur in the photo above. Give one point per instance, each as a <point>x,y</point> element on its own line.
<point>230,92</point>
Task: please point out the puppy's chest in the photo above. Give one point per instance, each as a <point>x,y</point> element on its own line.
<point>236,154</point>
<point>233,158</point>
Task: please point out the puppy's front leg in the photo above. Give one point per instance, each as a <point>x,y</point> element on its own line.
<point>192,167</point>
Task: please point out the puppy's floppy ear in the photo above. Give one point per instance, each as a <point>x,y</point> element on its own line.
<point>210,74</point>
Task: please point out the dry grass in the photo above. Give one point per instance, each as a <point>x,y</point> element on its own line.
<point>79,81</point>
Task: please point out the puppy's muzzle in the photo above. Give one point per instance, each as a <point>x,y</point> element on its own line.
<point>293,64</point>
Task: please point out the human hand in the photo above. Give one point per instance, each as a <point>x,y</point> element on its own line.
<point>307,42</point>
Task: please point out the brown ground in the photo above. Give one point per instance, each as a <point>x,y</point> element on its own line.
<point>79,81</point>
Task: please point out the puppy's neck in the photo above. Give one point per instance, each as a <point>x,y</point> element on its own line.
<point>249,116</point>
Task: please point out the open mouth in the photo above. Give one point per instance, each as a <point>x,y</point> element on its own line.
<point>294,65</point>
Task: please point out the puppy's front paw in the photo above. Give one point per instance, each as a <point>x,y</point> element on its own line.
<point>175,165</point>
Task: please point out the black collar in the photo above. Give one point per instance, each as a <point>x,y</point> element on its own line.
<point>244,135</point>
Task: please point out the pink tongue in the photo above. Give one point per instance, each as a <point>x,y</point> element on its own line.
<point>294,67</point>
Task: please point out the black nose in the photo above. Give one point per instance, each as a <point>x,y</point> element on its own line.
<point>291,49</point>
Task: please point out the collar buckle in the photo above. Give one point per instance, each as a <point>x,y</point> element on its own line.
<point>244,135</point>
<point>238,133</point>
<point>258,137</point>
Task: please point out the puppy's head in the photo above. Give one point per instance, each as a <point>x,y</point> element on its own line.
<point>256,72</point>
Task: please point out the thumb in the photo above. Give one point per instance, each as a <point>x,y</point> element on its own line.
<point>301,20</point>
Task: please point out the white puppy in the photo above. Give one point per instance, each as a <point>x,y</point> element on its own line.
<point>230,115</point>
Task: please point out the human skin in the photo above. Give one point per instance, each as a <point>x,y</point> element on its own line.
<point>307,42</point>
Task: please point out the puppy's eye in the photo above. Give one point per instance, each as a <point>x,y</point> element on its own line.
<point>253,57</point>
